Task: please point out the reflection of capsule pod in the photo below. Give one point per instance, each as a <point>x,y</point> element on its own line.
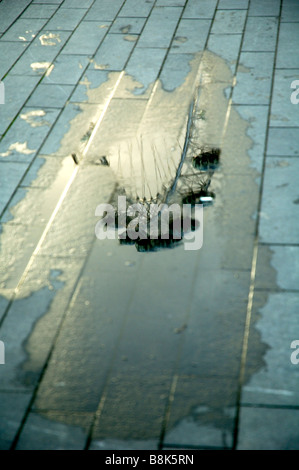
<point>207,159</point>
<point>155,245</point>
<point>206,200</point>
<point>104,161</point>
<point>201,197</point>
<point>126,240</point>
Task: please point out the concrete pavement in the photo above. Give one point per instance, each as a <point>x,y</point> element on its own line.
<point>107,347</point>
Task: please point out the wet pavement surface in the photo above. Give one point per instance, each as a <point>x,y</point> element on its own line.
<point>114,345</point>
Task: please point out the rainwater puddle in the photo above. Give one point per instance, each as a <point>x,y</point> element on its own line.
<point>177,147</point>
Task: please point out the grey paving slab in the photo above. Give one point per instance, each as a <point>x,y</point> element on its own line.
<point>39,177</point>
<point>42,188</point>
<point>257,117</point>
<point>10,52</point>
<point>10,176</point>
<point>127,25</point>
<point>31,127</point>
<point>40,433</point>
<point>272,377</point>
<point>284,113</point>
<point>86,38</point>
<point>215,321</point>
<point>196,399</point>
<point>67,69</point>
<point>144,65</point>
<point>39,310</point>
<point>229,232</point>
<point>50,95</point>
<point>268,429</point>
<point>160,27</point>
<point>23,201</point>
<point>202,412</point>
<point>256,347</point>
<point>229,21</point>
<point>104,10</point>
<point>39,11</point>
<point>265,8</point>
<point>283,141</point>
<point>289,11</point>
<point>138,401</point>
<point>91,345</point>
<point>17,326</point>
<point>113,53</point>
<point>24,30</point>
<point>287,54</point>
<point>191,36</point>
<point>17,197</point>
<point>275,383</point>
<point>154,355</point>
<point>278,267</point>
<point>12,409</point>
<point>66,19</point>
<point>254,78</point>
<point>232,4</point>
<point>94,80</point>
<point>17,90</point>
<point>76,217</point>
<point>136,8</point>
<point>260,34</point>
<point>8,14</point>
<point>279,212</point>
<point>175,70</point>
<point>202,9</point>
<point>40,53</point>
<point>226,46</point>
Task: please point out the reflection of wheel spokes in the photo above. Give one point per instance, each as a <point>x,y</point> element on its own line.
<point>207,159</point>
<point>182,176</point>
<point>185,147</point>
